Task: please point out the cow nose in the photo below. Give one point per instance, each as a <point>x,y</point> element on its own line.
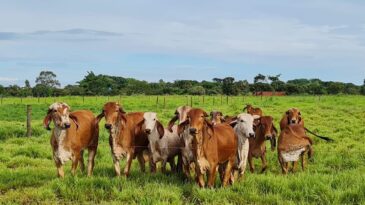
<point>251,134</point>
<point>148,131</point>
<point>192,130</point>
<point>293,121</point>
<point>108,126</point>
<point>67,125</point>
<point>268,137</point>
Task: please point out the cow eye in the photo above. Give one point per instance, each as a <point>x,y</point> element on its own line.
<point>154,119</point>
<point>54,110</point>
<point>242,121</point>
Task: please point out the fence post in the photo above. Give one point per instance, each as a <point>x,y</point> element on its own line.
<point>164,102</point>
<point>213,100</point>
<point>221,99</point>
<point>157,100</point>
<point>29,120</point>
<point>187,100</point>
<point>227,99</point>
<point>2,99</point>
<point>83,99</point>
<point>191,101</point>
<point>203,100</point>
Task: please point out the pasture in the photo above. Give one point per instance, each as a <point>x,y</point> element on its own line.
<point>336,175</point>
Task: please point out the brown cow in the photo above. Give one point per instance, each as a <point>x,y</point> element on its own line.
<point>252,110</point>
<point>292,116</point>
<point>265,130</point>
<point>71,137</point>
<point>213,146</point>
<point>216,117</point>
<point>292,144</point>
<point>124,141</point>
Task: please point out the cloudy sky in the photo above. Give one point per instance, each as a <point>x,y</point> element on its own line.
<point>190,39</point>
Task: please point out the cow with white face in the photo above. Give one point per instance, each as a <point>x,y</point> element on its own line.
<point>73,133</point>
<point>243,127</point>
<point>163,144</point>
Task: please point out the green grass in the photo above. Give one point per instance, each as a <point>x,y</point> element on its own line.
<point>335,176</point>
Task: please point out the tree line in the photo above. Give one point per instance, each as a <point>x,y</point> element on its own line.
<point>92,84</point>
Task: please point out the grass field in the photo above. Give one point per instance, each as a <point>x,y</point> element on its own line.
<point>335,176</point>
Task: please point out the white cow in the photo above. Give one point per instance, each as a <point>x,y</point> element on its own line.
<point>164,145</point>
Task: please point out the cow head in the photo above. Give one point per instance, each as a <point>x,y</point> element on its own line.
<point>59,113</point>
<point>268,130</point>
<point>150,124</point>
<point>197,123</point>
<point>248,108</point>
<point>244,124</point>
<point>180,114</point>
<point>216,117</point>
<point>113,114</point>
<point>293,116</point>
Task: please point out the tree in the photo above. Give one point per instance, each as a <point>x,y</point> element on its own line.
<point>259,78</point>
<point>197,90</point>
<point>27,84</point>
<point>228,86</point>
<point>48,79</point>
<point>2,90</point>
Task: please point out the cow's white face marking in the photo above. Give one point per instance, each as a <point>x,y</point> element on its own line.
<point>60,117</point>
<point>245,124</point>
<point>150,119</point>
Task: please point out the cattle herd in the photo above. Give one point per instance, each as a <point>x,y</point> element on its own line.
<point>206,146</point>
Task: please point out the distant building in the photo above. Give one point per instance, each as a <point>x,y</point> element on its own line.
<point>269,93</point>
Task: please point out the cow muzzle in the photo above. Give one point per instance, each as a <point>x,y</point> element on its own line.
<point>252,135</point>
<point>67,125</point>
<point>147,131</point>
<point>193,130</point>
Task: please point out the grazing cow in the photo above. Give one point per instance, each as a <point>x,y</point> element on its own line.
<point>216,117</point>
<point>186,138</point>
<point>123,140</point>
<point>252,110</point>
<point>265,130</point>
<point>292,144</point>
<point>163,144</point>
<point>243,127</point>
<point>292,116</point>
<point>73,132</point>
<point>213,146</point>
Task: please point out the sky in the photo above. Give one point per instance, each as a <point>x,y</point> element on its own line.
<point>170,40</point>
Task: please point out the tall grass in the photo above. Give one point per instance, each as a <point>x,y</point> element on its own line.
<point>335,176</point>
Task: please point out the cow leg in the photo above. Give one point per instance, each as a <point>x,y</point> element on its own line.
<point>221,169</point>
<point>60,172</point>
<point>179,163</point>
<point>303,160</point>
<point>228,173</point>
<point>264,163</point>
<point>141,162</point>
<point>186,169</point>
<point>82,164</point>
<point>90,161</point>
<point>294,166</point>
<point>199,177</point>
<point>129,163</point>
<point>211,178</point>
<point>75,162</point>
<point>252,166</point>
<point>116,166</point>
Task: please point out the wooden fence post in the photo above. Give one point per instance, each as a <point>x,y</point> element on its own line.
<point>157,100</point>
<point>227,99</point>
<point>2,99</point>
<point>213,100</point>
<point>221,99</point>
<point>29,120</point>
<point>187,100</point>
<point>83,99</point>
<point>203,100</point>
<point>191,101</point>
<point>164,102</point>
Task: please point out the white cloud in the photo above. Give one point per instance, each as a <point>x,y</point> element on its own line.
<point>8,80</point>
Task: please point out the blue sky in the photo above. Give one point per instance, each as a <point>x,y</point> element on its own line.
<point>199,40</point>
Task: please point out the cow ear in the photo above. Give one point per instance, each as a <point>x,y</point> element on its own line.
<point>287,113</point>
<point>181,127</point>
<point>138,127</point>
<point>99,117</point>
<point>205,114</point>
<point>233,123</point>
<point>210,129</point>
<point>255,117</point>
<point>160,129</point>
<point>121,110</point>
<point>275,130</point>
<point>172,121</point>
<point>211,114</point>
<point>75,120</point>
<point>47,120</point>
